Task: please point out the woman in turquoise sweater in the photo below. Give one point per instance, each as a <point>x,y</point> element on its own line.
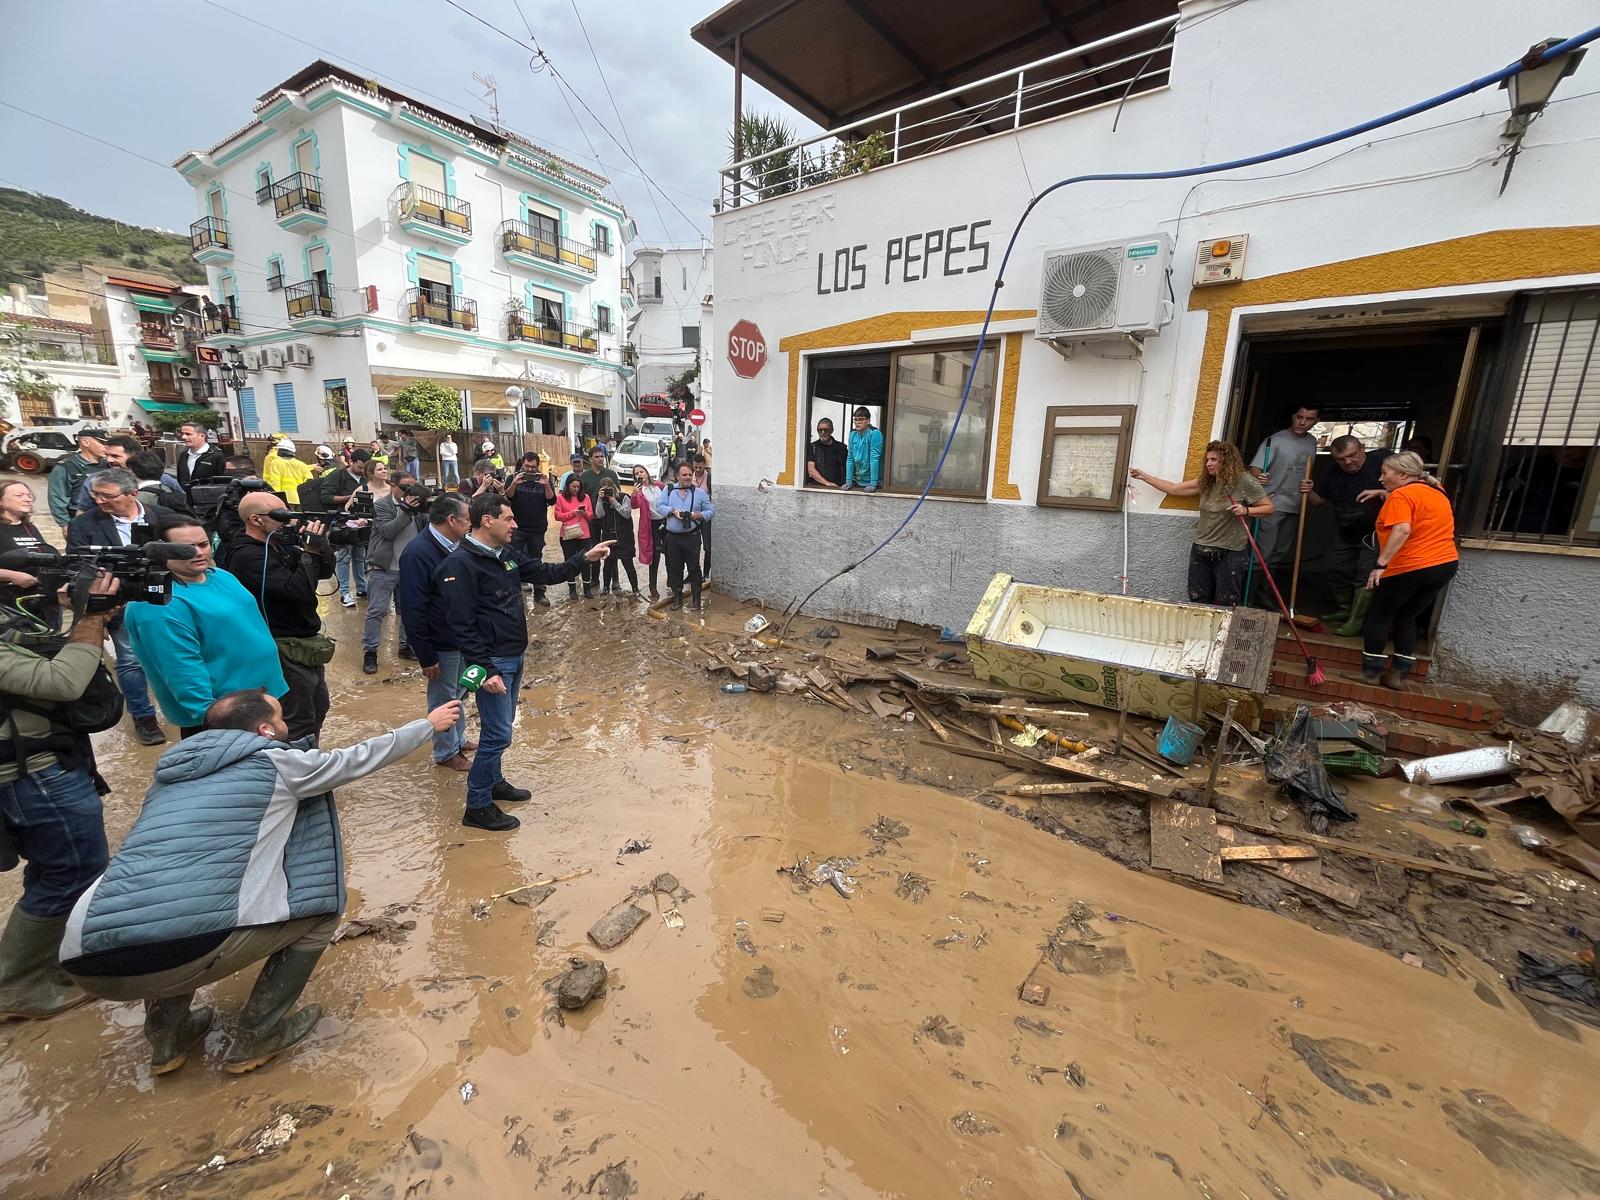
<point>209,640</point>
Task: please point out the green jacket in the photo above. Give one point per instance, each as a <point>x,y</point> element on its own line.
<point>24,673</point>
<point>66,477</point>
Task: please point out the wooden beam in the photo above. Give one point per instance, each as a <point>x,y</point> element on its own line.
<point>1358,851</point>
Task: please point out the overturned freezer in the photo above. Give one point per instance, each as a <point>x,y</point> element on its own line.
<point>1090,648</point>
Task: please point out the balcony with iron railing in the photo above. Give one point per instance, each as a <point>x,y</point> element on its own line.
<point>296,201</point>
<point>544,331</point>
<point>209,241</point>
<point>313,298</point>
<point>650,291</point>
<point>441,308</point>
<point>157,336</point>
<point>433,214</point>
<point>205,387</point>
<point>526,245</point>
<point>1042,90</point>
<point>220,322</point>
<point>86,350</point>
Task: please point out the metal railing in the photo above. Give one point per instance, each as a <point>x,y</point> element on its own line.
<point>417,203</point>
<point>300,192</point>
<point>522,328</point>
<point>220,321</point>
<point>440,306</point>
<point>208,232</point>
<point>78,350</point>
<point>309,299</point>
<point>275,283</point>
<point>651,292</point>
<point>157,337</point>
<point>518,237</point>
<point>206,387</point>
<point>996,104</point>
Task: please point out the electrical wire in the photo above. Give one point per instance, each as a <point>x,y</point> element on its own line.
<point>1456,93</point>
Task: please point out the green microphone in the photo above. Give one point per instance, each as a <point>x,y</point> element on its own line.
<point>471,680</point>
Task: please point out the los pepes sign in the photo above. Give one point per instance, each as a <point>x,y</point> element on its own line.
<point>747,349</point>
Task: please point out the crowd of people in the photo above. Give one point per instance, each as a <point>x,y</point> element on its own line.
<point>235,659</point>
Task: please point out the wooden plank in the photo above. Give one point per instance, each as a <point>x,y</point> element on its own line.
<point>1117,779</point>
<point>883,707</point>
<point>1016,709</point>
<point>1264,853</point>
<point>1183,840</point>
<point>960,683</point>
<point>1050,789</point>
<point>1359,851</point>
<point>829,697</point>
<point>928,719</point>
<point>1306,873</point>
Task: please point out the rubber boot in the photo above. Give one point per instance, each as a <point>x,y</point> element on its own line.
<point>1395,677</point>
<point>32,983</point>
<point>698,606</point>
<point>1346,597</point>
<point>1372,668</point>
<point>266,1027</point>
<point>173,1029</point>
<point>1358,614</point>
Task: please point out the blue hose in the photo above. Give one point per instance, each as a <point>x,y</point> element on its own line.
<point>1466,89</point>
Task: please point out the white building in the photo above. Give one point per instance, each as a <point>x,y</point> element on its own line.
<point>115,344</point>
<point>357,239</point>
<point>1391,278</point>
<point>670,329</point>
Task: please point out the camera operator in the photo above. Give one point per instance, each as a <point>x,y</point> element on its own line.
<point>531,495</point>
<point>397,517</point>
<point>50,812</point>
<point>334,490</point>
<point>280,566</point>
<point>116,514</point>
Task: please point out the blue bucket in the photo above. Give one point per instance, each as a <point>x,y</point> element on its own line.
<point>1179,740</point>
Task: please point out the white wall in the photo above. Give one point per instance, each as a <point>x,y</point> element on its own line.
<point>686,280</point>
<point>1249,78</point>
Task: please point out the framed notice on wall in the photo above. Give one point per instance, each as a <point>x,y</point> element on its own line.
<point>1084,460</point>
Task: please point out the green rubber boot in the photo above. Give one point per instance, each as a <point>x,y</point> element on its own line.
<point>32,983</point>
<point>173,1029</point>
<point>266,1027</point>
<point>1358,614</point>
<point>1346,597</point>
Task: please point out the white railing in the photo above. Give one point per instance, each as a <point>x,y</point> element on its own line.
<point>915,129</point>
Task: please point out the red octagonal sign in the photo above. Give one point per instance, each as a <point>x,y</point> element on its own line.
<point>747,349</point>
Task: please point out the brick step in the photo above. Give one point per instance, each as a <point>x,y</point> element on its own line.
<point>1429,702</point>
<point>1333,650</point>
<point>1405,737</point>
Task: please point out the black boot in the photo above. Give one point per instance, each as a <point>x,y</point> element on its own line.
<point>1395,677</point>
<point>369,662</point>
<point>698,605</point>
<point>506,791</point>
<point>489,816</point>
<point>266,1027</point>
<point>173,1029</point>
<point>1372,666</point>
<point>540,598</point>
<point>677,600</point>
<point>32,983</point>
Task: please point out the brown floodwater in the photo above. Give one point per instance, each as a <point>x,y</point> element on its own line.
<point>865,1046</point>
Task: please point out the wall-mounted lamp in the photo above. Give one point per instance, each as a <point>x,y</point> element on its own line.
<point>1529,91</point>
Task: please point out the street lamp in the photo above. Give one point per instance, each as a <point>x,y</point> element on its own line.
<point>234,376</point>
<point>1529,91</point>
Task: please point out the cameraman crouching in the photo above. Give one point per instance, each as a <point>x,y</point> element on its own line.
<point>50,805</point>
<point>281,568</point>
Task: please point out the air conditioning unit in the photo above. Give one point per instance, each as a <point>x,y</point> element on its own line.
<point>252,360</point>
<point>273,358</point>
<point>299,354</point>
<point>1111,290</point>
<point>177,320</point>
<point>184,372</point>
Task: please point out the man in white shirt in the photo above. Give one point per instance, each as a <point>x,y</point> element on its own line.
<point>448,454</point>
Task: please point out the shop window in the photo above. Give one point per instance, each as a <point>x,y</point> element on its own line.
<point>91,405</point>
<point>914,412</point>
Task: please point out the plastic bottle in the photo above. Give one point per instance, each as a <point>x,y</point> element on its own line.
<point>734,689</point>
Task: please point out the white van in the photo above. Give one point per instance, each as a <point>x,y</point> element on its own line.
<point>659,427</point>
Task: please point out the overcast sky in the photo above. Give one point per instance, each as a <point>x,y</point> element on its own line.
<point>164,76</point>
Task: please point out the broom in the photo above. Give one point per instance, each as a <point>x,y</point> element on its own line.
<point>1308,623</point>
<point>1314,675</point>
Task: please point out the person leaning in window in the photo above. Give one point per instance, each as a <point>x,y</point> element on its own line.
<point>864,466</point>
<point>50,812</point>
<point>684,508</point>
<point>826,458</point>
<point>480,584</point>
<point>1219,554</point>
<point>1417,557</point>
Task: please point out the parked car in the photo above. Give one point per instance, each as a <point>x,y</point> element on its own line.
<point>641,450</point>
<point>659,427</point>
<point>34,449</point>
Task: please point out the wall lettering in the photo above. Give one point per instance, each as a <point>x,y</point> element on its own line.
<point>908,258</point>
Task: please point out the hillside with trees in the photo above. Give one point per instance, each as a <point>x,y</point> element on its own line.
<point>40,234</point>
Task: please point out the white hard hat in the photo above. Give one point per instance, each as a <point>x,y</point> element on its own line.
<point>286,444</point>
<point>487,444</point>
<point>324,452</point>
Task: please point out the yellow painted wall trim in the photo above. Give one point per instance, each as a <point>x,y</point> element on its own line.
<point>885,327</point>
<point>1003,488</point>
<point>1499,255</point>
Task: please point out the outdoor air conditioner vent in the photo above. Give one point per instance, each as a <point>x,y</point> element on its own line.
<point>252,360</point>
<point>1110,290</point>
<point>299,354</point>
<point>272,357</point>
<point>186,373</point>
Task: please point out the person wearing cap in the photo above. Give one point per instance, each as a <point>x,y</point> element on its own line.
<point>575,467</point>
<point>324,461</point>
<point>347,449</point>
<point>283,472</point>
<point>67,476</point>
<point>490,451</point>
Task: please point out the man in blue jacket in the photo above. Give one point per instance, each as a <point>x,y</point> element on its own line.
<point>422,618</point>
<point>235,857</point>
<point>481,586</point>
<point>686,510</point>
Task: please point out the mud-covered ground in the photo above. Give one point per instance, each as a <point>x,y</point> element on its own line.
<point>791,1041</point>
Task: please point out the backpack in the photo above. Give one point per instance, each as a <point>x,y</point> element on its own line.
<point>98,709</point>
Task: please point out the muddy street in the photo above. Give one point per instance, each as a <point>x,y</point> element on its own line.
<point>788,1039</point>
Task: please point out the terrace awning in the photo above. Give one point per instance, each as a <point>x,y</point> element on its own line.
<point>152,304</point>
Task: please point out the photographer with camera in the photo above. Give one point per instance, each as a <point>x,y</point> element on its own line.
<point>280,564</point>
<point>482,479</point>
<point>397,517</point>
<point>334,490</point>
<point>51,694</point>
<point>481,588</point>
<point>117,513</point>
<point>614,522</point>
<point>531,496</point>
<point>685,509</point>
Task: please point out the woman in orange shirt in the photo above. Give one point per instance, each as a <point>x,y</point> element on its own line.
<point>1416,558</point>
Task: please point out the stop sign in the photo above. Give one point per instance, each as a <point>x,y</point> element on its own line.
<point>697,417</point>
<point>747,349</point>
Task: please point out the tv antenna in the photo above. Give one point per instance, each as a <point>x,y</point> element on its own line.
<point>491,93</point>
